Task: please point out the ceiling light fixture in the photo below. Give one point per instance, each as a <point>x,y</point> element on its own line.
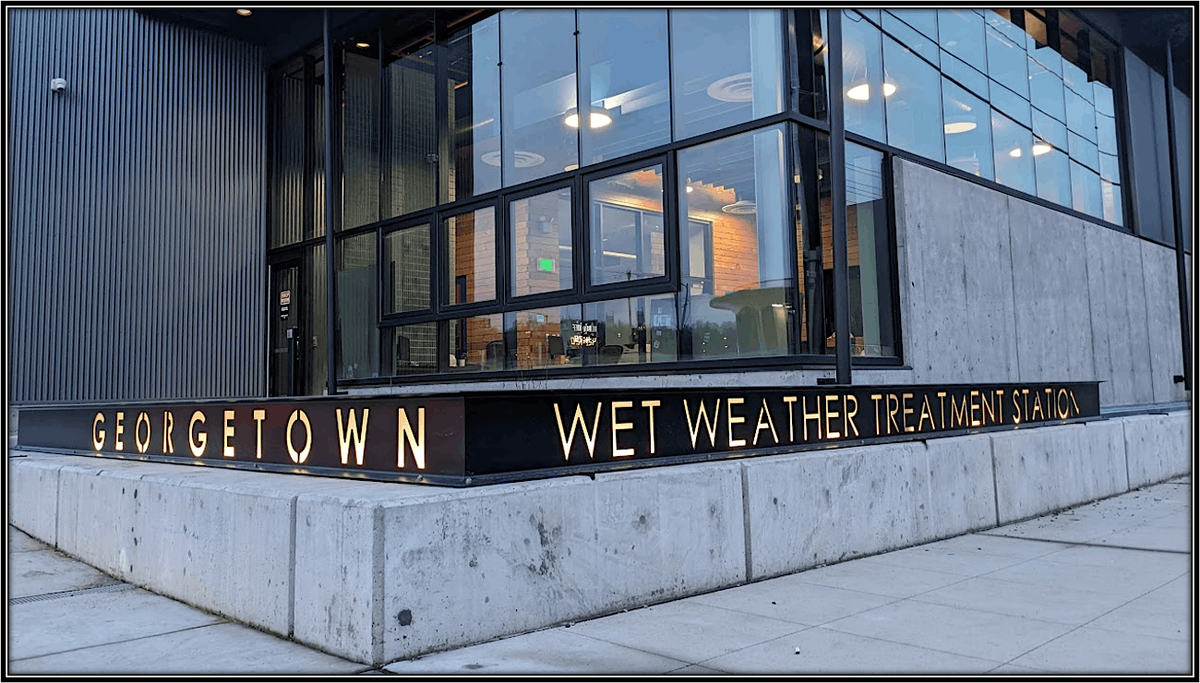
<point>362,46</point>
<point>1040,148</point>
<point>955,127</point>
<point>690,189</point>
<point>1016,152</point>
<point>244,12</point>
<point>740,208</point>
<point>862,91</point>
<point>597,119</point>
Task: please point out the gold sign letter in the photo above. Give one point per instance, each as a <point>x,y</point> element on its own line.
<point>651,405</point>
<point>578,420</point>
<point>702,415</point>
<point>404,433</point>
<point>120,430</point>
<point>299,457</point>
<point>259,416</point>
<point>168,427</point>
<point>97,434</point>
<point>352,432</point>
<point>197,448</point>
<point>142,446</point>
<point>227,451</point>
<point>731,420</point>
<point>616,426</point>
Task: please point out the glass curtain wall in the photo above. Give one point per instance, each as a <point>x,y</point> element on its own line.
<point>624,190</point>
<point>1020,97</point>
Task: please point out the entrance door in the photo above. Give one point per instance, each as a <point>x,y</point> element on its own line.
<point>287,329</point>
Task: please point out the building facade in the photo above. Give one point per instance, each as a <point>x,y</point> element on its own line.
<point>451,202</point>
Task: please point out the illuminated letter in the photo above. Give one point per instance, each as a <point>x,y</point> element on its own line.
<point>578,420</point>
<point>731,421</point>
<point>616,426</point>
<point>761,425</point>
<point>1064,410</point>
<point>405,433</point>
<point>1000,404</point>
<point>120,430</point>
<point>299,457</point>
<point>197,448</point>
<point>849,422</point>
<point>791,424</point>
<point>905,411</point>
<point>959,417</point>
<point>990,413</point>
<point>351,432</point>
<point>227,450</point>
<point>942,406</point>
<point>259,416</point>
<point>142,446</point>
<point>807,416</point>
<point>1077,410</point>
<point>1016,408</point>
<point>974,407</point>
<point>651,405</point>
<point>168,428</point>
<point>97,434</point>
<point>926,412</point>
<point>893,407</point>
<point>875,398</point>
<point>702,415</point>
<point>829,433</point>
<point>1037,406</point>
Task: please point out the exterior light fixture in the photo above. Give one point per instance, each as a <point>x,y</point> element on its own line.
<point>362,46</point>
<point>1040,148</point>
<point>597,119</point>
<point>1016,152</point>
<point>244,12</point>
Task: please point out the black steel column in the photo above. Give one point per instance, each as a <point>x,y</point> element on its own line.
<point>331,83</point>
<point>1185,326</point>
<point>837,181</point>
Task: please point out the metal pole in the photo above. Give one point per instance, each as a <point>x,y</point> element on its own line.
<point>330,199</point>
<point>1185,326</point>
<point>837,172</point>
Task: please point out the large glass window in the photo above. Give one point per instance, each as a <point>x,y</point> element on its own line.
<point>358,336</point>
<point>473,60</point>
<point>623,70</point>
<point>539,236</point>
<point>411,153</point>
<point>477,344</point>
<point>727,68</point>
<point>360,135</point>
<point>548,338</point>
<point>967,129</point>
<point>406,269</point>
<point>914,114</point>
<point>1013,152</point>
<point>737,191</point>
<point>470,246</point>
<point>538,88</point>
<point>862,72</point>
<point>627,226</point>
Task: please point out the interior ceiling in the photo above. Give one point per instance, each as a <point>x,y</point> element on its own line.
<point>1145,32</point>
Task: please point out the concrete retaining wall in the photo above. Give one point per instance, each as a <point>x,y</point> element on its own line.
<point>377,572</point>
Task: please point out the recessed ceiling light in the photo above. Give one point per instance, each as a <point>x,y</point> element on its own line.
<point>244,12</point>
<point>889,89</point>
<point>740,208</point>
<point>1040,148</point>
<point>362,46</point>
<point>860,92</point>
<point>1016,152</point>
<point>690,189</point>
<point>958,127</point>
<point>597,119</point>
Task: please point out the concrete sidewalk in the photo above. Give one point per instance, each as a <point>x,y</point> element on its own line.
<point>1106,587</point>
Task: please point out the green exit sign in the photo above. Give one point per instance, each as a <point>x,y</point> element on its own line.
<point>546,264</point>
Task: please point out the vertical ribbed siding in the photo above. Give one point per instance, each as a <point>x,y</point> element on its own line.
<point>136,229</point>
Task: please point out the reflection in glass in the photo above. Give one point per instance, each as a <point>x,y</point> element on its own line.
<point>1046,90</point>
<point>1007,62</point>
<point>541,124</point>
<point>623,64</point>
<point>477,344</point>
<point>548,338</point>
<point>968,131</point>
<point>357,351</point>
<point>633,330</point>
<point>473,58</point>
<point>727,68</point>
<point>1081,115</point>
<point>914,112</point>
<point>1053,173</point>
<point>868,257</point>
<point>924,20</point>
<point>360,137</point>
<point>961,34</point>
<point>1013,152</point>
<point>410,349</point>
<point>1085,191</point>
<point>287,156</point>
<point>540,243</point>
<point>1110,198</point>
<point>471,251</point>
<point>1083,151</point>
<point>1013,106</point>
<point>314,332</point>
<point>862,69</point>
<point>406,269</point>
<point>410,156</point>
<point>736,221</point>
<point>627,226</point>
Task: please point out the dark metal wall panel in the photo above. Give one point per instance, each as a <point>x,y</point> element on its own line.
<point>136,234</point>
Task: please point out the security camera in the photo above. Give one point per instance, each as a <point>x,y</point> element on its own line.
<point>58,84</point>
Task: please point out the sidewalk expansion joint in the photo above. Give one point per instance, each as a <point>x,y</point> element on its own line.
<point>107,588</point>
<point>1087,544</point>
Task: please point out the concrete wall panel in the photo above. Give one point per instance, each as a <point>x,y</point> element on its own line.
<point>962,496</point>
<point>32,495</point>
<point>1117,293</point>
<point>1162,319</point>
<point>959,318</point>
<point>1054,330</point>
<point>1039,470</point>
<point>1157,447</point>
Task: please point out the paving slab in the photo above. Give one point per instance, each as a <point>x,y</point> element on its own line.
<point>873,575</point>
<point>995,544</point>
<point>789,599</point>
<point>1153,562</point>
<point>552,651</point>
<point>20,542</point>
<point>1126,582</point>
<point>36,572</point>
<point>1162,613</point>
<point>967,561</point>
<point>1057,604</point>
<point>1173,535</point>
<point>1094,650</point>
<point>214,649</point>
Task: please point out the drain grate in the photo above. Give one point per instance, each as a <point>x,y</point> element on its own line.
<point>108,588</point>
